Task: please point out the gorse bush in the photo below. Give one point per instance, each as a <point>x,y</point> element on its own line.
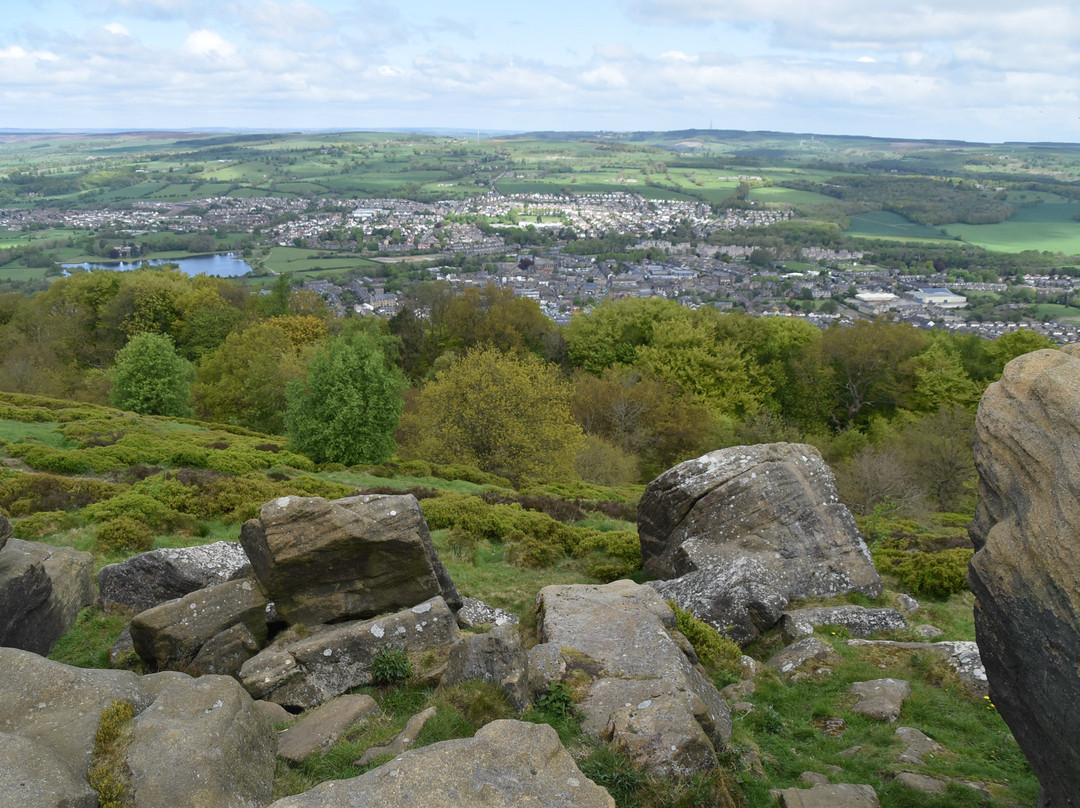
<point>932,575</point>
<point>24,494</point>
<point>43,523</point>
<point>124,535</point>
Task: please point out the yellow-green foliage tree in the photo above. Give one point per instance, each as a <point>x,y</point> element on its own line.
<point>243,382</point>
<point>508,415</point>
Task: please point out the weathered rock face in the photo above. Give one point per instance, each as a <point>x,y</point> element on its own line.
<point>200,741</point>
<point>327,561</point>
<point>33,776</point>
<point>42,589</point>
<point>212,630</point>
<point>148,579</point>
<point>507,764</point>
<point>203,739</point>
<point>328,660</point>
<point>622,636</point>
<point>5,530</point>
<point>1025,574</point>
<point>738,533</point>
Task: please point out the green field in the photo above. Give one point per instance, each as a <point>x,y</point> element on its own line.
<point>1042,227</point>
<point>790,196</point>
<point>882,224</point>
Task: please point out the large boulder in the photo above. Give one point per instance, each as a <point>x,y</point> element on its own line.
<point>860,621</point>
<point>1024,573</point>
<point>304,671</point>
<point>42,590</point>
<point>199,740</point>
<point>148,579</point>
<point>621,638</point>
<point>202,741</point>
<point>736,534</point>
<point>507,764</point>
<point>212,630</point>
<point>5,530</point>
<point>326,561</point>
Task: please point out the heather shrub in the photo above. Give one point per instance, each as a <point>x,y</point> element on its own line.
<point>124,534</point>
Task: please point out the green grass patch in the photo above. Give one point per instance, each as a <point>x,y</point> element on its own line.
<point>1049,227</point>
<point>86,644</point>
<point>888,225</point>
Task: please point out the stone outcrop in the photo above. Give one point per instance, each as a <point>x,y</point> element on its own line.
<point>621,638</point>
<point>858,620</point>
<point>736,534</point>
<point>795,657</point>
<point>402,741</point>
<point>962,656</point>
<point>507,764</point>
<point>844,795</point>
<point>1024,573</point>
<point>303,671</point>
<point>5,530</point>
<point>149,579</point>
<point>326,561</point>
<point>200,738</point>
<point>42,590</point>
<point>212,630</point>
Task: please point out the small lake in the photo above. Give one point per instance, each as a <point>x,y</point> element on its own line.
<point>225,265</point>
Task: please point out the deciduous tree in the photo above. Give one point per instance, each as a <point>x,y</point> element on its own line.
<point>151,378</point>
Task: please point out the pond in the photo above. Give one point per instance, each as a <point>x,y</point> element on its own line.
<point>224,265</point>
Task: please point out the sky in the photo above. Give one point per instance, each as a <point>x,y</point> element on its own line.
<point>974,70</point>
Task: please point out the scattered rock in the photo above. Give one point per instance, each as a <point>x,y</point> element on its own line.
<point>908,604</point>
<point>497,657</point>
<point>880,699</point>
<point>830,726</point>
<point>42,590</point>
<point>5,530</point>
<point>474,613</point>
<point>737,690</point>
<point>33,776</point>
<point>212,630</point>
<point>928,631</point>
<point>917,747</point>
<point>302,672</point>
<point>1024,573</point>
<point>921,783</point>
<point>328,561</point>
<point>844,795</point>
<point>404,740</point>
<point>738,533</point>
<point>749,667</point>
<point>624,633</point>
<point>324,726</point>
<point>507,764</point>
<point>850,752</point>
<point>792,658</point>
<point>149,579</point>
<point>813,777</point>
<point>961,656</point>
<point>860,621</point>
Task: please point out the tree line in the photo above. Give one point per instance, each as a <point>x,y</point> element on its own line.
<point>476,376</point>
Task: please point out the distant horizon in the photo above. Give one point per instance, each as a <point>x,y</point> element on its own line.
<point>437,131</point>
<point>975,72</point>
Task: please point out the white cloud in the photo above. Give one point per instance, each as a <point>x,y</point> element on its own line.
<point>209,44</point>
<point>117,28</point>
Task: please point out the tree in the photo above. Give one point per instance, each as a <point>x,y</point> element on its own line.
<point>347,410</point>
<point>243,382</point>
<point>504,414</point>
<point>151,378</point>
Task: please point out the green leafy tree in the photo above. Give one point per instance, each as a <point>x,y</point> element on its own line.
<point>1016,343</point>
<point>349,407</point>
<point>243,382</point>
<point>505,414</point>
<point>151,378</point>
